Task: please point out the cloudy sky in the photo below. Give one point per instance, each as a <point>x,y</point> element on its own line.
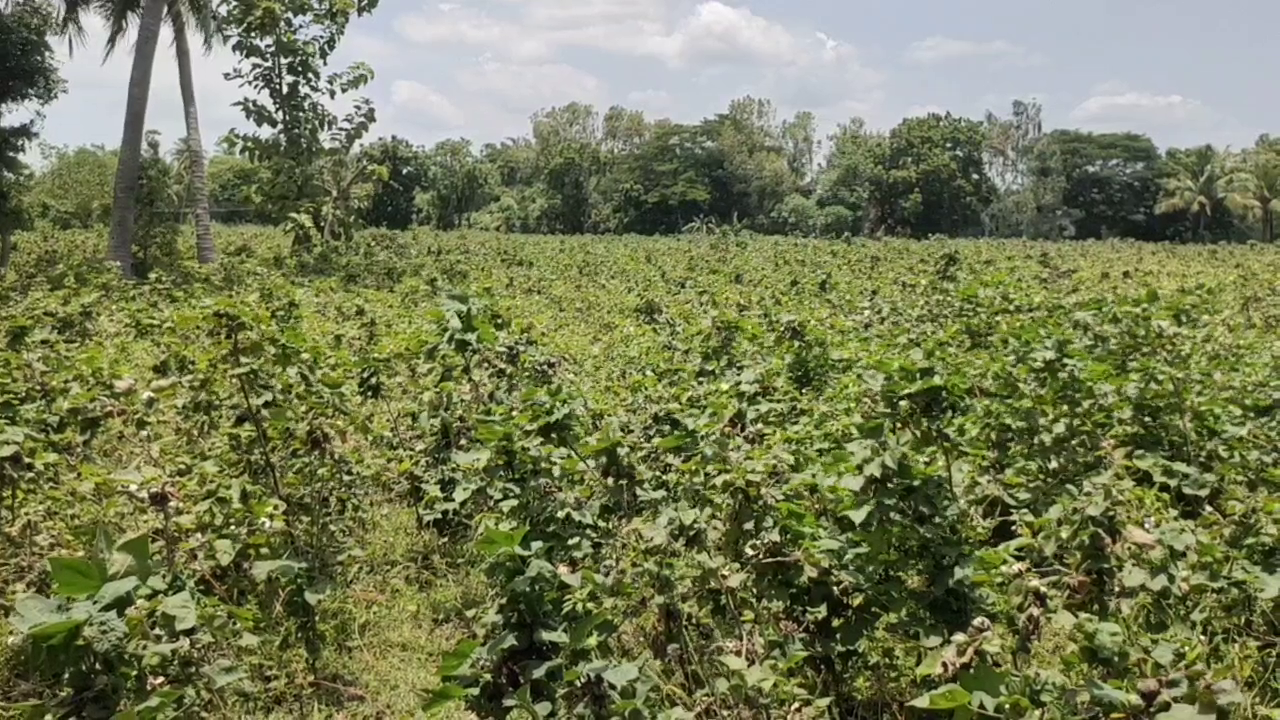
<point>1181,71</point>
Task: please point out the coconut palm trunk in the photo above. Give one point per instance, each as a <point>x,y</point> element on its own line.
<point>205,251</point>
<point>129,166</point>
<point>6,249</point>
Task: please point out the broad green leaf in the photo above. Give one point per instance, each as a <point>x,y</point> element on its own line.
<point>619,675</point>
<point>1227,694</point>
<point>1182,711</point>
<point>43,619</point>
<point>985,684</point>
<point>473,459</point>
<point>931,662</point>
<point>132,556</point>
<point>944,698</point>
<point>182,609</point>
<point>1112,697</point>
<point>222,673</point>
<point>495,540</point>
<point>734,663</point>
<point>1134,577</point>
<point>1165,654</point>
<point>224,551</point>
<point>75,577</point>
<point>559,637</point>
<point>116,590</point>
<point>458,658</point>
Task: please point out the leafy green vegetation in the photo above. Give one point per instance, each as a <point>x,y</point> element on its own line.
<point>713,476</point>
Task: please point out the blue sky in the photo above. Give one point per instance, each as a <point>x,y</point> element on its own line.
<point>1183,72</point>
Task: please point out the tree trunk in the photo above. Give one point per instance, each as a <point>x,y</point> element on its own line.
<point>129,166</point>
<point>205,251</point>
<point>6,249</point>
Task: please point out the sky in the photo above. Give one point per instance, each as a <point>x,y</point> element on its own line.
<point>1184,72</point>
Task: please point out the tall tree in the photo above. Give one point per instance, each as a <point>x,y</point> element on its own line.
<point>28,78</point>
<point>197,166</point>
<point>150,19</point>
<point>456,184</point>
<point>1252,186</point>
<point>182,16</point>
<point>755,177</point>
<point>1110,181</point>
<point>392,204</point>
<point>935,179</point>
<point>283,50</point>
<point>567,141</point>
<point>852,170</point>
<point>800,143</point>
<point>1027,204</point>
<point>1192,186</point>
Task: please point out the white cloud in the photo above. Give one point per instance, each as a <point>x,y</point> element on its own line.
<point>718,33</point>
<point>1139,109</point>
<point>527,87</point>
<point>462,26</point>
<point>413,99</point>
<point>713,33</point>
<point>939,49</point>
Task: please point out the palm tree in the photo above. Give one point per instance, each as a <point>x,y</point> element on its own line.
<point>1194,187</point>
<point>1252,188</point>
<point>119,16</point>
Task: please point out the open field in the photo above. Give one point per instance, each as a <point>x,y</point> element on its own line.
<point>640,477</point>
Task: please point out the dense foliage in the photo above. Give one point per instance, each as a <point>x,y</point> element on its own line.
<point>619,172</point>
<point>28,80</point>
<point>701,477</point>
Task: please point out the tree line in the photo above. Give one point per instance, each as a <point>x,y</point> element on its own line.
<point>581,171</point>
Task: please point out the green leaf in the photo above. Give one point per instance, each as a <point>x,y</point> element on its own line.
<point>116,590</point>
<point>182,609</point>
<point>619,675</point>
<point>473,459</point>
<point>1182,711</point>
<point>559,637</point>
<point>154,706</point>
<point>672,441</point>
<point>443,696</point>
<point>734,663</point>
<point>986,684</point>
<point>1113,698</point>
<point>286,569</point>
<point>496,540</point>
<point>944,698</point>
<point>43,619</point>
<point>1165,654</point>
<point>1134,577</point>
<point>75,577</point>
<point>458,658</point>
<point>1227,694</point>
<point>859,514</point>
<point>931,662</point>
<point>222,673</point>
<point>132,556</point>
<point>224,551</point>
